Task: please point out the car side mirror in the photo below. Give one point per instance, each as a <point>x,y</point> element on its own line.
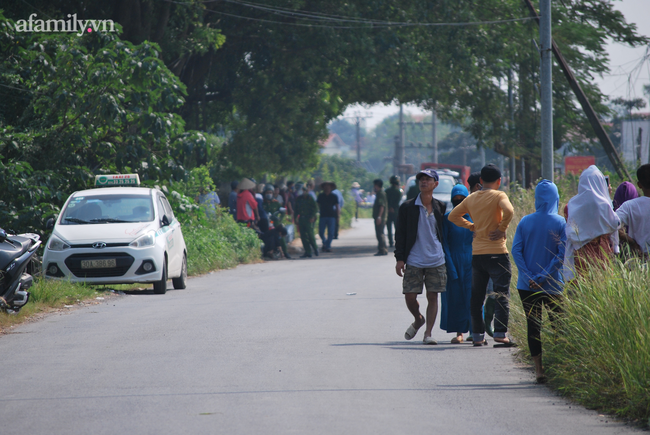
<point>3,235</point>
<point>165,221</point>
<point>49,224</point>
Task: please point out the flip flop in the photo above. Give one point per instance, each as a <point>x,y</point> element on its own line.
<point>508,344</point>
<point>429,340</point>
<point>411,331</point>
<point>457,340</point>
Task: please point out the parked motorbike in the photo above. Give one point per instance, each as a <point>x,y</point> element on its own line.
<point>16,268</point>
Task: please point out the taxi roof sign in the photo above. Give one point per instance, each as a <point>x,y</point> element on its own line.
<point>117,180</point>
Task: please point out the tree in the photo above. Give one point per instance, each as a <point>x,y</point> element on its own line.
<point>629,105</point>
<point>83,106</point>
<point>287,67</point>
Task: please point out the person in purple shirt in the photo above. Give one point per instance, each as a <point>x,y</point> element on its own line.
<point>625,192</point>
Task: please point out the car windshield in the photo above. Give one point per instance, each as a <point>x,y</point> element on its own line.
<point>444,186</point>
<point>103,209</point>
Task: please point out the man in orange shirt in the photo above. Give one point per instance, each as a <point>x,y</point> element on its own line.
<point>491,211</point>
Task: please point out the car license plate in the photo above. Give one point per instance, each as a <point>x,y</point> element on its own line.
<point>98,264</point>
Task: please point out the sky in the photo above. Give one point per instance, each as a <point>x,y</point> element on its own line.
<point>628,69</point>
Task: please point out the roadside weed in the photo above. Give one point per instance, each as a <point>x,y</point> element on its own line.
<point>598,353</point>
<point>46,295</point>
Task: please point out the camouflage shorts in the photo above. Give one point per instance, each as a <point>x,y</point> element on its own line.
<point>434,278</point>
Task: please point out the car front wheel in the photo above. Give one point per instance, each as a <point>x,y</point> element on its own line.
<point>181,282</point>
<point>160,287</point>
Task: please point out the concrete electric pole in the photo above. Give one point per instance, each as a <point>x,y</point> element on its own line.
<point>434,136</point>
<point>357,122</point>
<point>510,125</point>
<point>400,155</point>
<point>595,122</point>
<point>400,143</point>
<point>546,48</point>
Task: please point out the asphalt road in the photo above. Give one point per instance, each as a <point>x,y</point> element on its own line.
<point>271,348</point>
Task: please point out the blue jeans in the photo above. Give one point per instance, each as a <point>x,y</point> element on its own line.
<point>330,224</point>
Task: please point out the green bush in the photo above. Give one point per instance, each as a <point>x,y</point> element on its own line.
<point>213,239</point>
<point>222,244</point>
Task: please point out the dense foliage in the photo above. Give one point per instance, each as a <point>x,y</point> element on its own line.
<point>86,105</point>
<point>266,79</point>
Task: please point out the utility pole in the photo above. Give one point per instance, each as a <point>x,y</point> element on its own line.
<point>605,141</point>
<point>357,122</point>
<point>358,140</point>
<point>547,89</point>
<point>401,156</point>
<point>396,156</point>
<point>511,109</point>
<point>501,166</point>
<point>434,136</point>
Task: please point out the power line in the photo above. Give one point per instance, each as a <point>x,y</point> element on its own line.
<point>280,8</point>
<point>363,24</point>
<point>11,87</point>
<point>340,18</point>
<point>34,7</point>
<point>308,15</point>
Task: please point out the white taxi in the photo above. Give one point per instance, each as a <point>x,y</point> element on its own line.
<point>117,235</point>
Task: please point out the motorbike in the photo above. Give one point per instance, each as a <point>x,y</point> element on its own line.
<point>16,269</point>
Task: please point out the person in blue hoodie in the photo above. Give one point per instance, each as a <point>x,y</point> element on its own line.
<point>538,252</point>
<point>455,308</point>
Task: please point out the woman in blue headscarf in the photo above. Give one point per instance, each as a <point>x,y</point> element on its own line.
<point>455,308</point>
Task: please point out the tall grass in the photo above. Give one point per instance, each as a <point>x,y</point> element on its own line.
<point>601,355</point>
<point>598,352</point>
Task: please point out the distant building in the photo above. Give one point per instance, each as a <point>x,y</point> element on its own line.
<point>635,141</point>
<point>334,146</point>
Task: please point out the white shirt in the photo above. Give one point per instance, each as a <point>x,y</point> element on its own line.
<point>635,213</point>
<point>426,251</point>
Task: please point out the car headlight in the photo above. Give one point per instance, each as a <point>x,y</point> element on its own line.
<point>148,239</point>
<point>56,244</point>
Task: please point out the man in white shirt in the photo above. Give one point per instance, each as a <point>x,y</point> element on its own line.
<point>635,213</point>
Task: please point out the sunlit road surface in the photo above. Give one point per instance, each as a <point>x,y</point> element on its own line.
<point>272,348</point>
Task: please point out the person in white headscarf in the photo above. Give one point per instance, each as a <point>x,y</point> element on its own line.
<point>592,225</point>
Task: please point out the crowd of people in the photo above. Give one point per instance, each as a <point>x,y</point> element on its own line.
<point>265,208</point>
<point>462,253</point>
